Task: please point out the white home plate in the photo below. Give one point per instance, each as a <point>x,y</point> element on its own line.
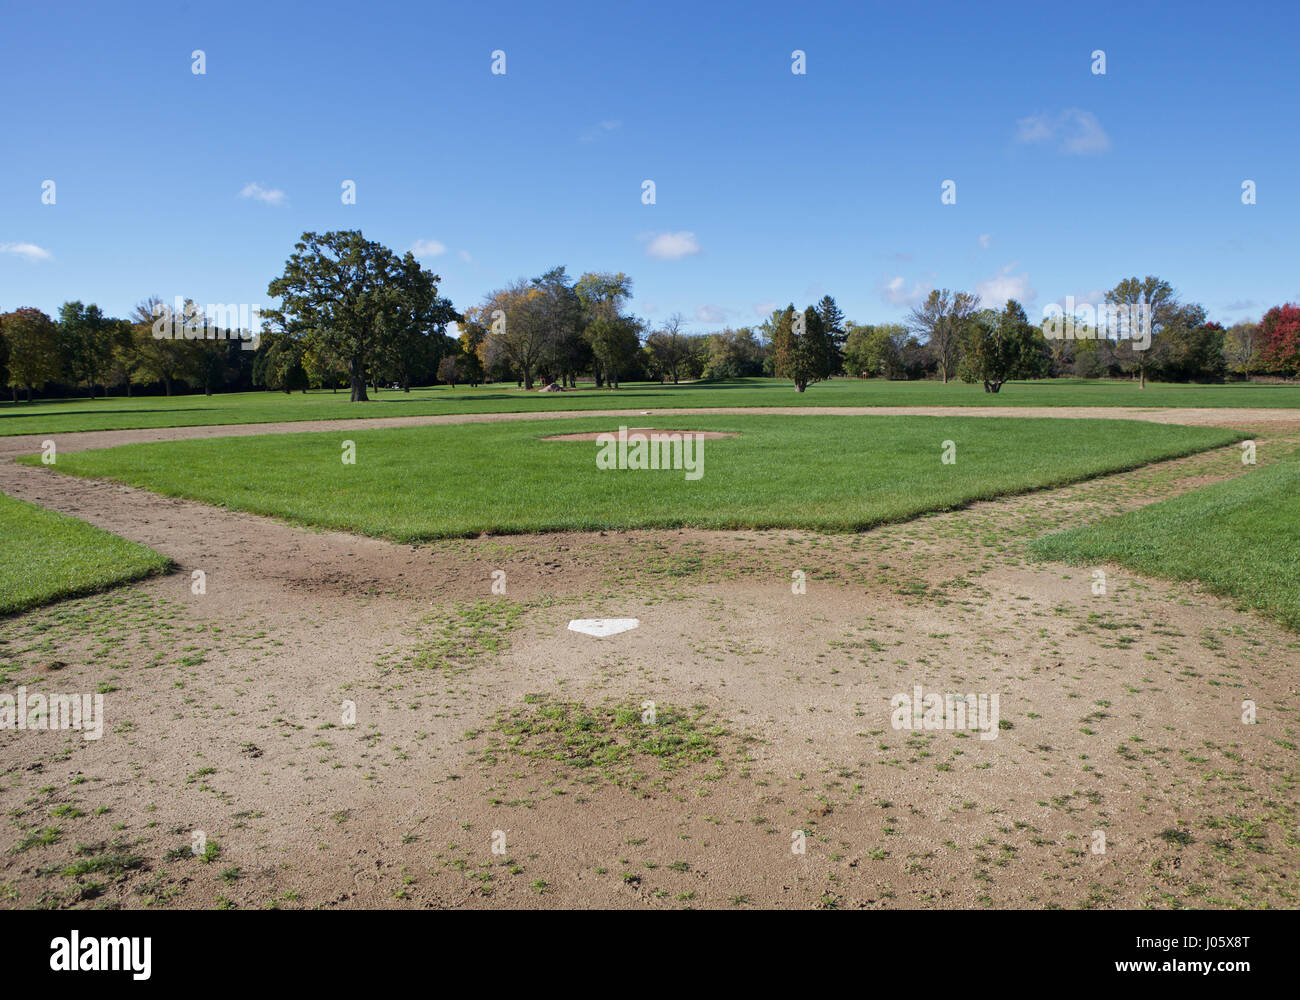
<point>602,627</point>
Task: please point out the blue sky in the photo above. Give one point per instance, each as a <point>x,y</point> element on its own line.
<point>770,187</point>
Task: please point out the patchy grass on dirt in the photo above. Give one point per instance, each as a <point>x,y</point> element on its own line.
<point>830,473</point>
<point>455,638</point>
<point>617,741</point>
<point>1240,538</point>
<point>49,556</point>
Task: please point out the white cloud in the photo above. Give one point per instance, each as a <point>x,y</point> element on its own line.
<point>765,309</point>
<point>986,240</point>
<point>1078,131</point>
<point>464,255</point>
<point>272,196</point>
<point>29,250</point>
<point>995,291</point>
<point>896,293</point>
<point>672,246</point>
<point>710,314</point>
<point>428,248</point>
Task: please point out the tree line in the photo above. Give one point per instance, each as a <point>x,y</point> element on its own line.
<point>353,314</point>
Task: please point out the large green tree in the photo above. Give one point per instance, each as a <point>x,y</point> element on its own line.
<point>565,351</point>
<point>942,319</point>
<point>414,324</point>
<point>875,350</point>
<point>32,339</point>
<point>833,325</point>
<point>336,288</point>
<point>162,354</point>
<point>668,348</point>
<point>1241,347</point>
<point>516,325</point>
<point>614,337</point>
<point>87,337</point>
<point>802,350</point>
<point>1150,293</point>
<point>999,346</point>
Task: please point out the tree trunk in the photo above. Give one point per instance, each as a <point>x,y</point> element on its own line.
<point>359,390</point>
<point>167,386</point>
<point>29,394</point>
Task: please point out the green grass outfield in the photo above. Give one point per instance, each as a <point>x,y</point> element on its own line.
<point>118,412</point>
<point>47,556</point>
<point>826,473</point>
<point>1240,538</point>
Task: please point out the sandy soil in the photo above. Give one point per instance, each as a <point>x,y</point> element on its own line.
<point>225,714</point>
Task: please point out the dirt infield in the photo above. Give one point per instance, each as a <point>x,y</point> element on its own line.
<point>226,714</point>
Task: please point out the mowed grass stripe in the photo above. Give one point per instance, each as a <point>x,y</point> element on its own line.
<point>823,473</point>
<point>118,412</point>
<point>48,556</point>
<point>1240,538</point>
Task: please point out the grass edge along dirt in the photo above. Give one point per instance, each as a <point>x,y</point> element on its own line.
<point>1239,538</point>
<point>819,473</point>
<point>49,556</point>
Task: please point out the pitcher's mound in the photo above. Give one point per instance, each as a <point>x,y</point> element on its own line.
<point>647,431</point>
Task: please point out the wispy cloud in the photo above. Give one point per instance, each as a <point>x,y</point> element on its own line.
<point>765,309</point>
<point>896,292</point>
<point>986,240</point>
<point>1078,132</point>
<point>28,250</point>
<point>600,128</point>
<point>272,196</point>
<point>672,246</point>
<point>710,314</point>
<point>464,255</point>
<point>428,248</point>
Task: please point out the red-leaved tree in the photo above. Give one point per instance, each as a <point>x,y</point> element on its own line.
<point>1279,333</point>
